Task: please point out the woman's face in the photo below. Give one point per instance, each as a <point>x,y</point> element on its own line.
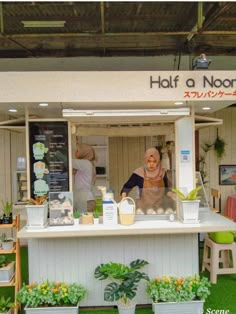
<point>151,163</point>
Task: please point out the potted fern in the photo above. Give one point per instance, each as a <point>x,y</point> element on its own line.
<point>188,205</point>
<point>124,283</point>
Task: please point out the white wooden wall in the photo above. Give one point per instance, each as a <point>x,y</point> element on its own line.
<point>75,259</point>
<point>125,155</point>
<point>227,132</point>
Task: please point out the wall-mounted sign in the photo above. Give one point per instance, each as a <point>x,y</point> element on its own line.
<point>185,155</point>
<point>49,162</point>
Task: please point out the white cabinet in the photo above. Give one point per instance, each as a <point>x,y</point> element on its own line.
<point>20,193</point>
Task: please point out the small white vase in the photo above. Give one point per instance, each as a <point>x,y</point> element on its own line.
<point>76,221</point>
<point>95,221</point>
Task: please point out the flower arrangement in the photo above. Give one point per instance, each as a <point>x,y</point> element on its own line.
<point>178,289</point>
<point>48,294</point>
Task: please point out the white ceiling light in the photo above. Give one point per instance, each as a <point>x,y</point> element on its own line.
<point>177,103</point>
<point>43,23</point>
<point>43,104</point>
<point>12,110</point>
<point>125,113</point>
<point>206,108</point>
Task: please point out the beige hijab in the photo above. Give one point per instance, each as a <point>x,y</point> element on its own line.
<point>158,172</point>
<point>86,151</point>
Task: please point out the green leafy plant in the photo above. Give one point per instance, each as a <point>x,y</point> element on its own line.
<point>178,289</point>
<point>5,304</point>
<point>219,147</point>
<point>125,280</point>
<point>76,214</point>
<point>7,208</point>
<point>96,214</point>
<point>51,294</point>
<point>3,261</point>
<point>191,196</point>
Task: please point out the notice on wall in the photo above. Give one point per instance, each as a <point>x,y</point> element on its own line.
<point>49,161</point>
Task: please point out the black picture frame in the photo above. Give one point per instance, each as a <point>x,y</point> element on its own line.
<point>227,174</point>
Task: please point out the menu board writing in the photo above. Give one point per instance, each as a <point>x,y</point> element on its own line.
<point>49,162</point>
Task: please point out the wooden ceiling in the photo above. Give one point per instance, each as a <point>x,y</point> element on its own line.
<point>117,29</point>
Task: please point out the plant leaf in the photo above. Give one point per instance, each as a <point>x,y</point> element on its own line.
<point>111,292</point>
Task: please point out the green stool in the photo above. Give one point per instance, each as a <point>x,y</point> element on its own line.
<point>222,237</point>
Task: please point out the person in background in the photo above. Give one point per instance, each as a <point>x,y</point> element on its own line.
<point>84,178</point>
<point>151,181</point>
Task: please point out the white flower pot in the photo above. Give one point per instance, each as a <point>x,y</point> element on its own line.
<point>187,307</point>
<point>8,245</point>
<point>7,272</point>
<point>37,215</point>
<point>189,211</point>
<point>53,310</point>
<point>96,221</point>
<point>126,310</point>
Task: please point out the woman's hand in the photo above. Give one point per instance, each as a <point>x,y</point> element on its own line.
<point>123,195</point>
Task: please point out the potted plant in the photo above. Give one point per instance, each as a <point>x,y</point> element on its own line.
<point>96,217</point>
<point>178,295</point>
<point>86,218</point>
<point>6,269</point>
<point>124,282</point>
<point>6,243</point>
<point>51,297</point>
<point>37,212</point>
<point>76,215</point>
<point>188,205</point>
<point>7,212</point>
<point>6,305</point>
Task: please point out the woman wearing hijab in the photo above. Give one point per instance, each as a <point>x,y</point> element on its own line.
<point>151,181</point>
<point>84,178</point>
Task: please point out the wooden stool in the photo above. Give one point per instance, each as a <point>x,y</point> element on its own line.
<point>214,254</point>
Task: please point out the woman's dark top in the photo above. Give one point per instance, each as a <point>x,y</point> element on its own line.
<point>136,180</point>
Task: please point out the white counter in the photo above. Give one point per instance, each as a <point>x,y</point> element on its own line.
<point>71,253</point>
<point>209,222</point>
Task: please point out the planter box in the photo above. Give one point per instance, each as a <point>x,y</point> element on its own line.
<point>7,272</point>
<point>188,307</point>
<point>9,312</point>
<point>53,310</point>
<point>189,211</point>
<point>37,215</point>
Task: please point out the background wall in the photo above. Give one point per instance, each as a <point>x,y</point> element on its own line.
<point>227,132</point>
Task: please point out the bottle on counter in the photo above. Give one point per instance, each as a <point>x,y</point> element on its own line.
<point>109,207</point>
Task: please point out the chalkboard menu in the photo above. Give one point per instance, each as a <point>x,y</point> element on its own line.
<point>49,161</point>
